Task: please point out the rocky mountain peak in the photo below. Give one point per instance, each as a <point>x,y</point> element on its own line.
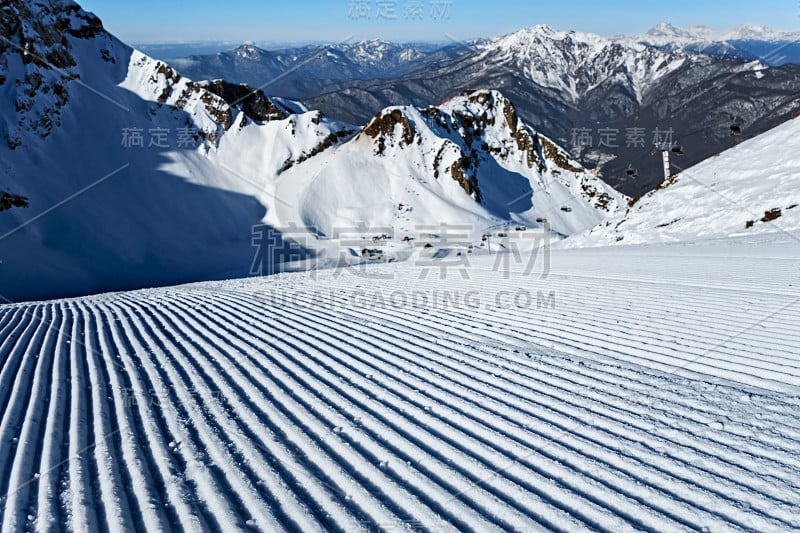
<point>666,29</point>
<point>250,52</point>
<point>37,55</point>
<point>253,102</point>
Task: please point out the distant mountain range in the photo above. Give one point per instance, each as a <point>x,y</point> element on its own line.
<point>312,69</point>
<point>749,42</point>
<point>600,97</point>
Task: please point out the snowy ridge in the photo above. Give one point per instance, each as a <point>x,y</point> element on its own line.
<point>148,215</point>
<point>745,42</point>
<point>666,33</point>
<point>470,161</point>
<point>155,81</point>
<point>748,190</point>
<point>576,62</point>
<point>380,52</point>
<point>214,404</point>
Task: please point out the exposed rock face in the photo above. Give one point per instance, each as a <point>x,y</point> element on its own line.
<point>463,171</point>
<point>46,48</point>
<point>255,104</point>
<point>35,39</point>
<point>556,154</point>
<point>475,130</point>
<point>564,82</point>
<point>37,31</point>
<point>330,141</point>
<point>382,129</point>
<point>8,200</point>
<point>489,124</point>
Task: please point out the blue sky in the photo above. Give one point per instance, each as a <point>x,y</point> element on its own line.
<point>333,20</point>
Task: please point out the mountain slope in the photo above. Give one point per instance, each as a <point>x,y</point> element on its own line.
<point>565,82</point>
<point>748,190</point>
<point>748,42</point>
<point>696,81</point>
<point>104,215</point>
<point>576,63</point>
<point>469,161</point>
<point>303,403</point>
<point>118,172</point>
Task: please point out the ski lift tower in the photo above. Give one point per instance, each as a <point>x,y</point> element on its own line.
<point>667,148</point>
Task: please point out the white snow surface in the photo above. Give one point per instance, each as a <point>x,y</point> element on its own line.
<point>728,195</point>
<point>653,386</point>
<point>659,392</point>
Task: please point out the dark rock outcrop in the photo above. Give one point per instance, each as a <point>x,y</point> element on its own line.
<point>253,102</point>
<point>8,200</point>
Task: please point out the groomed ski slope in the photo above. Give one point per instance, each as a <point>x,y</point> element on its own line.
<point>661,393</point>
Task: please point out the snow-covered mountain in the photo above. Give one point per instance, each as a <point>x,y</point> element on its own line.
<point>567,82</point>
<point>575,63</point>
<point>125,164</point>
<point>751,189</point>
<point>567,64</point>
<point>748,42</point>
<point>666,33</point>
<point>469,161</point>
<point>311,70</point>
<point>119,172</point>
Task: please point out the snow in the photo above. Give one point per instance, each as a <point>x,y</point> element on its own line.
<point>665,33</point>
<point>745,42</point>
<point>160,212</point>
<point>130,231</point>
<point>659,392</point>
<point>724,196</point>
<point>653,386</point>
<point>150,215</point>
<point>350,186</point>
<point>576,62</point>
